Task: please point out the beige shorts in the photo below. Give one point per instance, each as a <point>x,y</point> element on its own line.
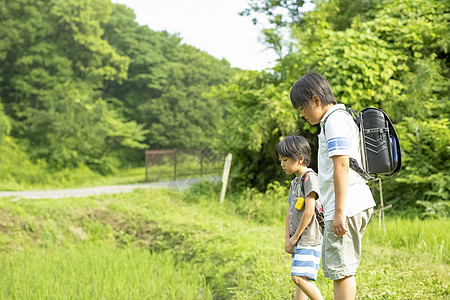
<point>341,255</point>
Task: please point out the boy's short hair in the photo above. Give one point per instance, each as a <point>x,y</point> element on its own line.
<point>309,85</point>
<point>295,146</point>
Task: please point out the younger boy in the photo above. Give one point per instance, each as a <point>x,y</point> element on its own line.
<point>303,236</point>
<point>347,200</point>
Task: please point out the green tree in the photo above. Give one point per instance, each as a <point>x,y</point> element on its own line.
<point>5,125</point>
<point>53,64</point>
<point>280,13</point>
<point>258,114</point>
<point>165,83</point>
<point>392,55</point>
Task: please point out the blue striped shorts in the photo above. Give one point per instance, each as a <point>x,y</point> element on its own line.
<point>306,260</point>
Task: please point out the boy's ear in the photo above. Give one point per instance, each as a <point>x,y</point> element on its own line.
<point>316,100</point>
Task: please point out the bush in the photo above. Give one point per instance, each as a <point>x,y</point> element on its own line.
<point>250,204</point>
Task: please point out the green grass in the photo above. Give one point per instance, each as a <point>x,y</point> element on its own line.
<point>428,236</point>
<point>156,244</point>
<point>98,272</point>
<point>80,177</point>
<point>84,177</point>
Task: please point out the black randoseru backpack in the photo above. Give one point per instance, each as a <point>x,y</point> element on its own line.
<point>380,147</point>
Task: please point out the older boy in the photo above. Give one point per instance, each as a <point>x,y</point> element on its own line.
<point>347,200</point>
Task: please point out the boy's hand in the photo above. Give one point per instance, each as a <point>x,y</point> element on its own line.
<point>289,246</point>
<point>340,179</point>
<point>339,224</point>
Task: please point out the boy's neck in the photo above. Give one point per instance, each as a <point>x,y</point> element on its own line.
<point>325,108</point>
<point>302,169</point>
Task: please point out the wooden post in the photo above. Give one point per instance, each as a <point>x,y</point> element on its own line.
<point>226,172</point>
<point>372,186</point>
<point>175,166</point>
<point>381,216</point>
<point>379,211</point>
<point>201,163</point>
<point>146,164</point>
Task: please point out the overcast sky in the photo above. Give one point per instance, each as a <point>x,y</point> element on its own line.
<point>213,26</point>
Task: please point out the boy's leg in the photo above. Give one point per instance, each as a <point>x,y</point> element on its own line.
<point>305,265</point>
<point>345,289</point>
<point>306,288</point>
<point>299,295</point>
<point>341,255</point>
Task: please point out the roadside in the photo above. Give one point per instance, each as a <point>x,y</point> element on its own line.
<point>178,185</point>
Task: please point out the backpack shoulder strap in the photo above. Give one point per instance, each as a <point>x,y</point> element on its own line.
<point>355,116</point>
<point>326,118</point>
<point>302,180</point>
<point>353,164</point>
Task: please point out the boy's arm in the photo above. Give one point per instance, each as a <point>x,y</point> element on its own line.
<point>306,217</point>
<point>287,247</point>
<point>340,180</point>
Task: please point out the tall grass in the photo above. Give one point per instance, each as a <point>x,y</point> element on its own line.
<point>99,272</point>
<point>426,237</point>
<point>209,248</point>
<point>156,244</point>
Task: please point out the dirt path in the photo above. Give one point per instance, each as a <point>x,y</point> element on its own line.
<point>178,185</point>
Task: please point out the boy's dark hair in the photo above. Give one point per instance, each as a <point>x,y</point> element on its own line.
<point>309,85</point>
<point>295,146</point>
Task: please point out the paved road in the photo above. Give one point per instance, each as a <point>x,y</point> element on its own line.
<point>178,185</point>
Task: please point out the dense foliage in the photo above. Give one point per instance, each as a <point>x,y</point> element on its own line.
<point>165,83</point>
<point>82,83</point>
<point>392,55</point>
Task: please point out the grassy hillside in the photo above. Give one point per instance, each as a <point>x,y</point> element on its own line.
<point>155,244</point>
<point>36,177</point>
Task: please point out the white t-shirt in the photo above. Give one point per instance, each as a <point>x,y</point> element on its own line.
<point>342,138</point>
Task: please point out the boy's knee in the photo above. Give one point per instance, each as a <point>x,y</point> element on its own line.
<point>298,280</point>
<point>340,280</point>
